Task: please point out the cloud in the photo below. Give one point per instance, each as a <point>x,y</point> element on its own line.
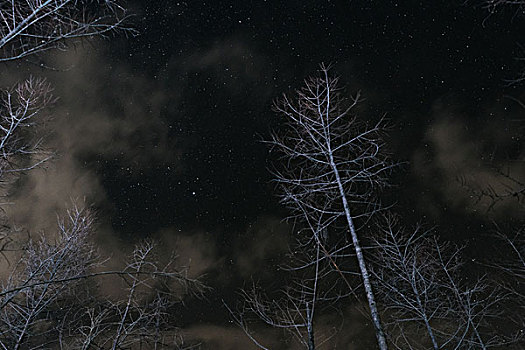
<point>332,331</point>
<point>195,251</point>
<point>460,158</point>
<point>111,115</point>
<point>105,115</point>
<point>230,338</point>
<point>235,64</point>
<point>265,243</point>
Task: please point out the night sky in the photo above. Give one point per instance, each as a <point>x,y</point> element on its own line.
<point>424,65</point>
<point>161,130</point>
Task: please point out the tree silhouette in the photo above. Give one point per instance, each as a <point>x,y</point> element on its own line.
<point>331,166</point>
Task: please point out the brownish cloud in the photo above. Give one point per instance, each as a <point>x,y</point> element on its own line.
<point>103,112</point>
<point>268,242</point>
<point>233,62</point>
<point>229,338</point>
<point>114,113</point>
<point>344,329</point>
<point>196,252</point>
<point>460,159</point>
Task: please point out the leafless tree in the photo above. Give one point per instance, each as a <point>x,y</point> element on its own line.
<point>504,195</point>
<point>495,5</point>
<point>29,27</point>
<point>332,165</point>
<point>32,27</point>
<point>508,270</point>
<point>518,9</point>
<point>426,298</point>
<point>30,292</point>
<point>519,78</point>
<point>21,111</point>
<point>50,298</point>
<point>310,290</point>
<point>514,262</point>
<point>510,190</point>
<point>142,317</point>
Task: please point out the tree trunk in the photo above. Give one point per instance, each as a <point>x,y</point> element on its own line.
<point>310,328</point>
<point>381,340</point>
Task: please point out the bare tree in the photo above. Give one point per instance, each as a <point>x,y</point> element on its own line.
<point>142,316</point>
<point>332,165</point>
<point>30,291</point>
<point>518,9</point>
<point>507,266</point>
<point>293,311</point>
<point>507,189</point>
<point>21,110</point>
<point>51,299</point>
<point>428,304</point>
<point>519,78</point>
<point>513,264</point>
<point>32,27</point>
<point>495,5</point>
<point>29,27</point>
<point>311,289</point>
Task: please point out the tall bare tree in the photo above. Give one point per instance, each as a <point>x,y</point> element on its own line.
<point>332,165</point>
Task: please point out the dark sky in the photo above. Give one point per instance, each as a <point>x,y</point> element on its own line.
<point>414,61</point>
<point>164,127</point>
